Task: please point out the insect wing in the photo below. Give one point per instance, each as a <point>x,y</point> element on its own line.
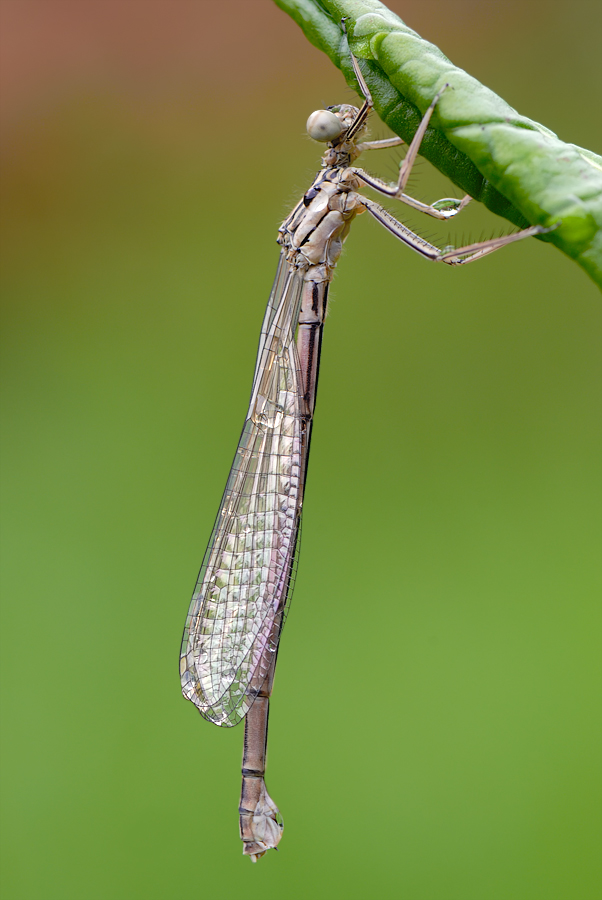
<point>230,634</point>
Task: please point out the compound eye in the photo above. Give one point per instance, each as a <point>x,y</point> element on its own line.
<point>324,126</point>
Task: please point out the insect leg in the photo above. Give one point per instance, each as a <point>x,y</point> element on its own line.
<point>365,91</point>
<point>394,141</point>
<point>450,256</point>
<point>441,209</point>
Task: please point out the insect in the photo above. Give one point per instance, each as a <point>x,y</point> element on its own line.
<point>238,608</point>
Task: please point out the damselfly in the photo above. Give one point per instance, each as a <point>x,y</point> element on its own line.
<point>237,612</point>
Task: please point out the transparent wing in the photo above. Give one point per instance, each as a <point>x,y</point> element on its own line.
<point>232,629</point>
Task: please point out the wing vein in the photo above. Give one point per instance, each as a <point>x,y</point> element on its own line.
<point>233,623</point>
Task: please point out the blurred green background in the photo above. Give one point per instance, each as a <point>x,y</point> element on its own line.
<point>435,720</point>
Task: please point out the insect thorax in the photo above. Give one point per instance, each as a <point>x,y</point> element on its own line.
<point>314,232</point>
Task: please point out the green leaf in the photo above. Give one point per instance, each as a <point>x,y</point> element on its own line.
<point>515,166</point>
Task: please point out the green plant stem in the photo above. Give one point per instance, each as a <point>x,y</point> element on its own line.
<point>515,166</point>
